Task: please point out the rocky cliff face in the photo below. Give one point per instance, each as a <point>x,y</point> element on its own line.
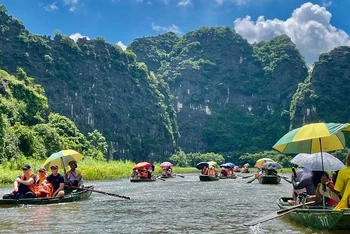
<point>97,85</point>
<point>324,94</point>
<point>230,95</point>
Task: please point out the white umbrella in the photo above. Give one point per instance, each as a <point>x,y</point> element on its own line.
<point>314,162</point>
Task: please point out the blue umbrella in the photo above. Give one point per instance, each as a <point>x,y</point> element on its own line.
<point>228,165</point>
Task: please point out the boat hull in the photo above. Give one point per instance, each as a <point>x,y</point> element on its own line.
<point>208,178</point>
<point>224,177</point>
<point>142,180</point>
<point>269,179</point>
<point>317,218</point>
<point>71,197</point>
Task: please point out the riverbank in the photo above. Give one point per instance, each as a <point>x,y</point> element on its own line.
<point>92,170</point>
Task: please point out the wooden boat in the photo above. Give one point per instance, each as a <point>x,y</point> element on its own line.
<point>316,217</point>
<point>269,179</point>
<point>167,176</point>
<point>225,177</point>
<point>143,180</point>
<point>208,178</point>
<point>74,195</point>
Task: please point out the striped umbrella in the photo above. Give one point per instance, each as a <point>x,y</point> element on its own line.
<point>313,138</point>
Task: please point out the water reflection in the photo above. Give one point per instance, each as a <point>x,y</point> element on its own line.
<point>180,205</point>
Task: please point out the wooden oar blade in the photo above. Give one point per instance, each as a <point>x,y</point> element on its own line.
<point>97,191</point>
<point>252,180</point>
<point>276,214</point>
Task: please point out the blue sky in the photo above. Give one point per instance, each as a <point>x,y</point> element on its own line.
<point>314,26</point>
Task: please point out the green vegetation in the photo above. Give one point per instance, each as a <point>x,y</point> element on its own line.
<point>206,91</point>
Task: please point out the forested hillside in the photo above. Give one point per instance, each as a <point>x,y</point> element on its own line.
<point>96,85</point>
<point>230,96</point>
<point>28,129</point>
<point>206,91</point>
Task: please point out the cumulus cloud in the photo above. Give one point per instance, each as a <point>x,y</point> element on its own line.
<point>51,7</point>
<point>184,3</point>
<point>76,36</point>
<point>309,28</point>
<point>171,28</point>
<point>121,45</point>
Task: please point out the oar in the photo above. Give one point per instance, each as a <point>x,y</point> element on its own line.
<point>244,177</point>
<point>98,191</point>
<point>257,177</point>
<point>276,214</point>
<point>160,178</point>
<point>180,175</point>
<point>282,177</point>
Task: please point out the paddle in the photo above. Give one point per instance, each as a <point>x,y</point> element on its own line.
<point>180,175</point>
<point>253,179</point>
<point>244,177</point>
<point>276,214</point>
<point>282,177</point>
<point>160,178</point>
<point>98,191</point>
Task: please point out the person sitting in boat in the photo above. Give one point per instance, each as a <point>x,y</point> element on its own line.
<point>42,189</point>
<point>57,181</point>
<point>143,173</point>
<point>24,185</point>
<point>205,171</point>
<point>310,184</point>
<point>73,176</point>
<point>212,172</point>
<point>135,174</point>
<point>224,172</point>
<point>149,173</point>
<point>326,188</point>
<point>341,185</point>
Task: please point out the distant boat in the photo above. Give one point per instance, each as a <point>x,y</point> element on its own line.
<point>269,179</point>
<point>208,178</point>
<point>142,180</point>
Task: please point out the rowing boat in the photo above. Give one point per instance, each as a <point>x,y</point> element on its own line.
<point>74,195</point>
<point>208,178</point>
<point>142,180</point>
<point>269,179</point>
<point>225,177</point>
<point>316,217</point>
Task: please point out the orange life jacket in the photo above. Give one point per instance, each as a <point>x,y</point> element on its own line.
<point>205,171</point>
<point>32,186</point>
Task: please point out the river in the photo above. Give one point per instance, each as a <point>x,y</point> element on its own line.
<point>179,205</point>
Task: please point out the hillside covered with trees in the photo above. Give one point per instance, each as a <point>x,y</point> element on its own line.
<point>206,91</point>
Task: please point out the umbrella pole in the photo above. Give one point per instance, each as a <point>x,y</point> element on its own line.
<point>323,186</point>
<point>64,168</point>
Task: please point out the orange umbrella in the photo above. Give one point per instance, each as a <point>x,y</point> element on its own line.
<point>142,164</point>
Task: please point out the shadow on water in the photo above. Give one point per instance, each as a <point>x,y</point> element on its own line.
<point>179,205</point>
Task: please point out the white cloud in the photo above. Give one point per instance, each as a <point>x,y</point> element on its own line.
<point>51,7</point>
<point>172,28</point>
<point>121,45</point>
<point>76,36</point>
<point>237,2</point>
<point>72,4</point>
<point>309,28</point>
<point>184,3</point>
<point>326,3</point>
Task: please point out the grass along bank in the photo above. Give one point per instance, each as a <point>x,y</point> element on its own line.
<point>91,169</point>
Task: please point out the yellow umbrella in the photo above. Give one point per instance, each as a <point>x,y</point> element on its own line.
<point>62,158</point>
<point>261,161</point>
